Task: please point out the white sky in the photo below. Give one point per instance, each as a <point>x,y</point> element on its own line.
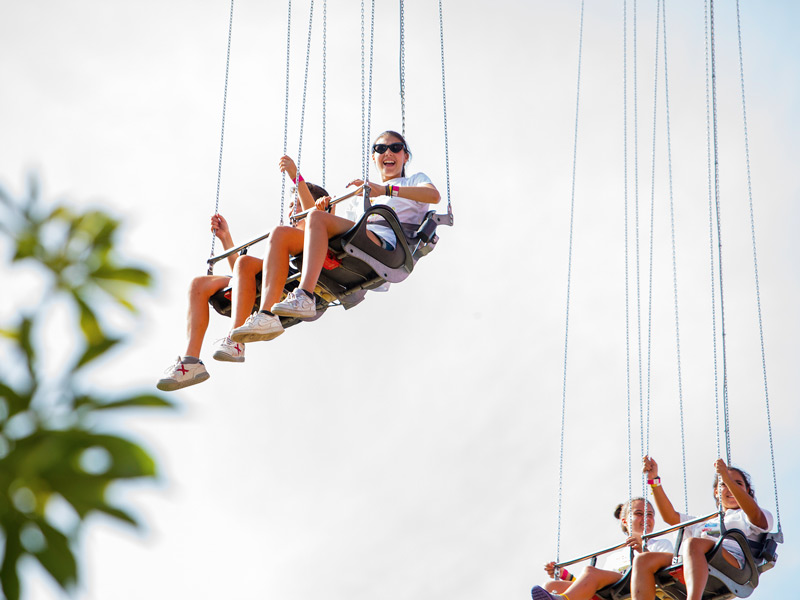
<point>409,448</point>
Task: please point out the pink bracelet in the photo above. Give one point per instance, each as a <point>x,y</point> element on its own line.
<point>298,180</point>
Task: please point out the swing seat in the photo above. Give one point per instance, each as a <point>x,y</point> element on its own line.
<point>355,264</point>
<point>725,580</point>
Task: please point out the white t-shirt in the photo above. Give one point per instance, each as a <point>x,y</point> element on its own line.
<point>621,559</point>
<point>408,211</point>
<point>735,518</point>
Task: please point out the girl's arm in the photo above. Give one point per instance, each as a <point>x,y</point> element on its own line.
<point>662,502</point>
<point>220,228</point>
<point>746,502</point>
<point>287,166</point>
<point>426,192</point>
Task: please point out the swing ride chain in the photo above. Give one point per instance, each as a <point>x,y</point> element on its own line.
<point>627,268</point>
<point>305,89</point>
<point>719,240</point>
<point>403,69</point>
<point>444,112</point>
<point>286,102</point>
<point>366,105</point>
<point>222,132</point>
<point>646,435</point>
<point>569,279</point>
<point>755,263</point>
<point>324,82</point>
<point>711,227</point>
<point>674,258</point>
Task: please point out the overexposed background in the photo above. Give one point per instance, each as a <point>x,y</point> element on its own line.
<point>409,448</point>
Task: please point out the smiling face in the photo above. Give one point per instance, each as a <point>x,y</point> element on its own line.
<point>724,495</point>
<point>390,164</point>
<point>637,516</point>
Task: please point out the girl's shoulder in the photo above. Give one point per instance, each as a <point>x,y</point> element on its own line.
<point>415,179</point>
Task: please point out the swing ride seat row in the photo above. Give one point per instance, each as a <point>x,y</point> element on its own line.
<point>355,264</point>
<point>724,581</point>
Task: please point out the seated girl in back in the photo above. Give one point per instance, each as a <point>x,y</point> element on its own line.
<point>634,523</point>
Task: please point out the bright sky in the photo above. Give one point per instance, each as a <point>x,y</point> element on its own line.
<point>409,448</point>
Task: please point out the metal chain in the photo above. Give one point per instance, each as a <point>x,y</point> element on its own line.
<point>719,240</point>
<point>755,266</point>
<point>711,227</point>
<point>674,259</point>
<point>627,267</point>
<point>363,98</point>
<point>369,105</point>
<point>305,88</point>
<point>324,84</point>
<point>222,132</point>
<point>569,280</point>
<point>645,442</point>
<point>444,111</point>
<point>286,103</point>
<point>403,65</point>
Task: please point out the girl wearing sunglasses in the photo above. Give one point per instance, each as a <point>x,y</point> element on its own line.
<point>410,197</point>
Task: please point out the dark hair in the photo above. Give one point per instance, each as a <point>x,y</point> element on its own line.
<point>622,508</point>
<point>402,139</point>
<point>747,482</point>
<point>317,192</point>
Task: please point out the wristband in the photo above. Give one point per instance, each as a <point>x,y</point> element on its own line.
<point>566,575</point>
<point>395,190</point>
<point>654,482</point>
<point>298,180</point>
<point>387,190</point>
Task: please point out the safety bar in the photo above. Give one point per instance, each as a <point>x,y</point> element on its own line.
<point>215,259</point>
<point>647,537</point>
<point>302,215</point>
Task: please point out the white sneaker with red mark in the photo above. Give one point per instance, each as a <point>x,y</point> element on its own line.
<point>181,375</point>
<point>229,351</point>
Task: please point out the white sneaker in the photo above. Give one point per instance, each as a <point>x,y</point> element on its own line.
<point>229,351</point>
<point>258,327</point>
<point>181,375</point>
<point>295,305</point>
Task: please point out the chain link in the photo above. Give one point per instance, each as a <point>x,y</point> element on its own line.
<point>403,66</point>
<point>755,266</point>
<point>286,103</point>
<point>305,92</point>
<point>674,260</point>
<point>444,111</point>
<point>324,84</point>
<point>222,132</point>
<point>569,280</point>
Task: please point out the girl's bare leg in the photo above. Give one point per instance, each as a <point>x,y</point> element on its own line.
<point>244,288</point>
<point>283,242</point>
<point>588,582</point>
<point>643,577</point>
<point>320,227</point>
<point>695,565</point>
<point>200,290</point>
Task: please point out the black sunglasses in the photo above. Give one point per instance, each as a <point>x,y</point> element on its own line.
<point>396,147</point>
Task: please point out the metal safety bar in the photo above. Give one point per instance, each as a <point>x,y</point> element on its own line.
<point>648,536</point>
<point>302,215</point>
<point>215,259</point>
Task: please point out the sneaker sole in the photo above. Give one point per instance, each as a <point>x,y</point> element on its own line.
<point>245,337</point>
<point>539,593</point>
<point>288,312</point>
<point>225,357</point>
<point>170,385</point>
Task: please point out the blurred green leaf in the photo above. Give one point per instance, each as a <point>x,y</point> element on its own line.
<point>47,454</point>
<point>57,557</point>
<point>140,401</point>
<point>95,350</point>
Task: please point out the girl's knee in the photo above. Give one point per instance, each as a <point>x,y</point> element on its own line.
<point>247,265</point>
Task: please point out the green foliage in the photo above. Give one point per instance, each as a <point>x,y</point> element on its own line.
<point>50,449</point>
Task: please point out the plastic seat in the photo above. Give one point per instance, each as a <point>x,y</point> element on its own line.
<point>724,579</point>
<point>355,264</point>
